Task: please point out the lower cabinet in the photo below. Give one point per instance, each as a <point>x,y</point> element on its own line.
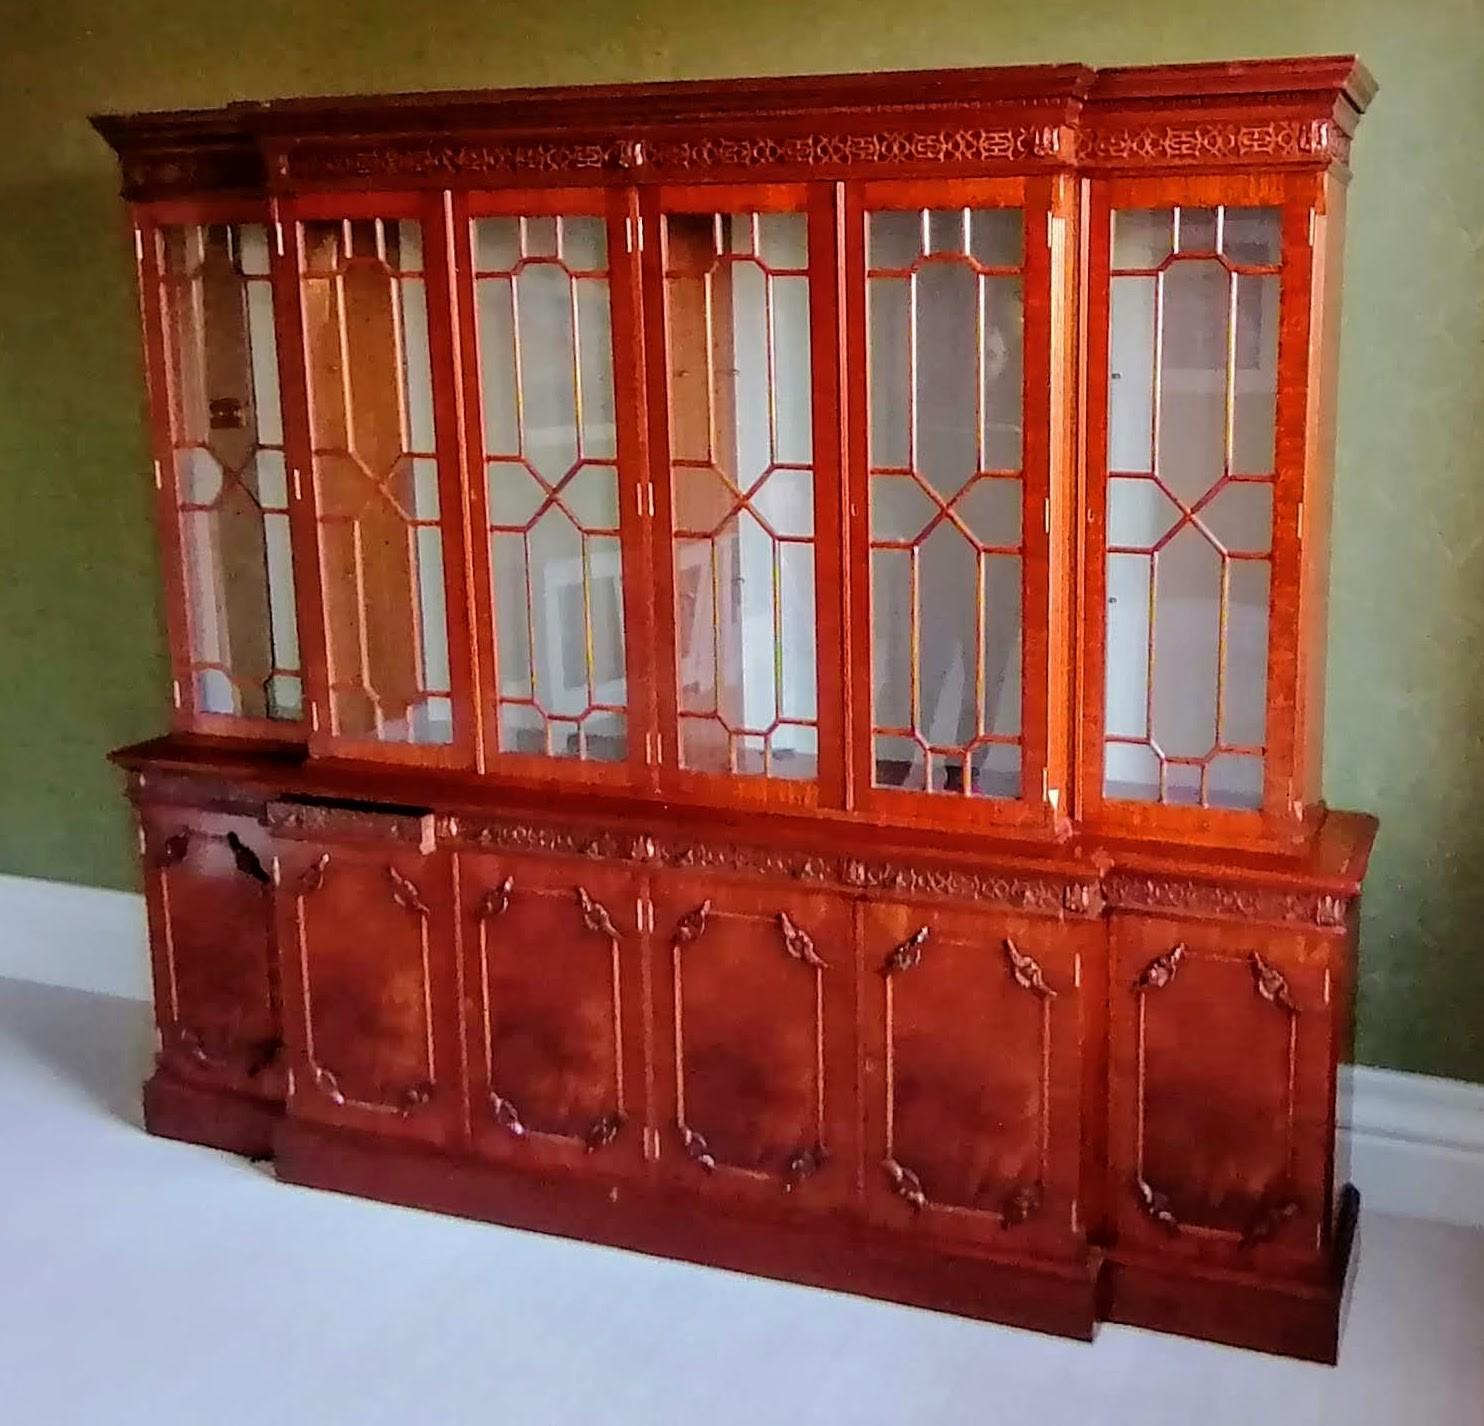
<point>208,889</point>
<point>753,1004</point>
<point>1220,1090</point>
<point>370,987</point>
<point>553,1013</point>
<point>973,1073</point>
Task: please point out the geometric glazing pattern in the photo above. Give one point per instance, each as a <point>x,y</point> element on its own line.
<point>226,436</point>
<point>1192,404</point>
<point>542,301</point>
<point>742,482</point>
<point>945,337</point>
<point>376,480</point>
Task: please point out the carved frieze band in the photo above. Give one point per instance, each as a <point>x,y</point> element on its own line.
<point>1138,893</point>
<point>1049,894</point>
<point>450,160</point>
<point>312,820</point>
<point>1276,141</point>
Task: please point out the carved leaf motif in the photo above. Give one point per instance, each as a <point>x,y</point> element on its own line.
<point>697,1149</point>
<point>247,860</point>
<point>174,849</point>
<point>1026,971</point>
<point>1022,1203</point>
<point>799,944</point>
<point>1161,970</point>
<point>603,1131</point>
<point>405,893</point>
<point>907,954</point>
<point>329,1085</point>
<point>595,917</point>
<point>905,1184</point>
<point>415,1097</point>
<point>1271,984</point>
<point>803,1163</point>
<point>1156,1206</point>
<point>314,875</point>
<point>1270,1216</point>
<point>496,901</point>
<point>507,1116</point>
<point>692,924</point>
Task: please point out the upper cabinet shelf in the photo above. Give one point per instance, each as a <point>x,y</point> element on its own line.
<point>948,449</point>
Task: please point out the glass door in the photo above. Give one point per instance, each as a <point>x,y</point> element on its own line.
<point>948,290</point>
<point>548,292</point>
<point>206,274</point>
<point>741,344</point>
<point>381,459</point>
<point>1194,497</point>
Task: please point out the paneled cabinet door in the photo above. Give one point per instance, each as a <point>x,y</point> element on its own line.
<point>973,1072</point>
<point>1220,1097</point>
<point>753,1011</point>
<point>553,1011</point>
<point>369,988</point>
<point>208,890</point>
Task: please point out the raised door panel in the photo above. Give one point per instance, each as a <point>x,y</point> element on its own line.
<point>1220,1096</point>
<point>208,890</point>
<point>370,988</point>
<point>753,1007</point>
<point>553,1011</point>
<point>973,1072</point>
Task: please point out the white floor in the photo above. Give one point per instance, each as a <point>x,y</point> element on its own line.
<point>143,1281</point>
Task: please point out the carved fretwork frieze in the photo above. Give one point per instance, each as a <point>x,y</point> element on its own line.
<point>311,821</point>
<point>453,160</point>
<point>164,173</point>
<point>1216,141</point>
<point>1127,892</point>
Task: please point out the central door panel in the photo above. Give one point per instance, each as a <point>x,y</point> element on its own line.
<point>753,1011</point>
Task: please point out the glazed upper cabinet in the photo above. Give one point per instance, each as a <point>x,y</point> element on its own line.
<point>971,474</point>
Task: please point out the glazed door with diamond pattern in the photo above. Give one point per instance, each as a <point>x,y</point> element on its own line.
<point>742,391</point>
<point>973,1072</point>
<point>753,996</point>
<point>374,442</point>
<point>1199,315</point>
<point>554,1012</point>
<point>1221,1092</point>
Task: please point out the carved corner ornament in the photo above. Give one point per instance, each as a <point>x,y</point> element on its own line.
<point>803,1163</point>
<point>595,916</point>
<point>1161,970</point>
<point>603,1131</point>
<point>691,926</point>
<point>905,1184</point>
<point>414,1098</point>
<point>406,894</point>
<point>246,860</point>
<point>329,1084</point>
<point>799,944</point>
<point>495,901</point>
<point>1156,1206</point>
<point>908,954</point>
<point>507,1116</point>
<point>1021,1203</point>
<point>314,875</point>
<point>1026,971</point>
<point>1271,984</point>
<point>697,1149</point>
<point>1271,1214</point>
<point>173,850</point>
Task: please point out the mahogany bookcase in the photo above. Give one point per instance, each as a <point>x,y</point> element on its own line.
<point>748,670</point>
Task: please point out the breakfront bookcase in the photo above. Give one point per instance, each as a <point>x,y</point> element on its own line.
<point>748,666</point>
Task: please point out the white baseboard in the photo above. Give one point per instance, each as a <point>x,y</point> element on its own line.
<point>1415,1143</point>
<point>77,937</point>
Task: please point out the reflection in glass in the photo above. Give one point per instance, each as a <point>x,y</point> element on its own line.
<point>1192,414</point>
<point>945,333</point>
<point>541,289</point>
<point>742,490</point>
<point>375,474</point>
<point>226,432</point>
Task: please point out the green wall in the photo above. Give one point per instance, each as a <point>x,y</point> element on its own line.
<point>80,642</point>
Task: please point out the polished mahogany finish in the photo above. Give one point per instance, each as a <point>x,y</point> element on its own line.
<point>748,670</point>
